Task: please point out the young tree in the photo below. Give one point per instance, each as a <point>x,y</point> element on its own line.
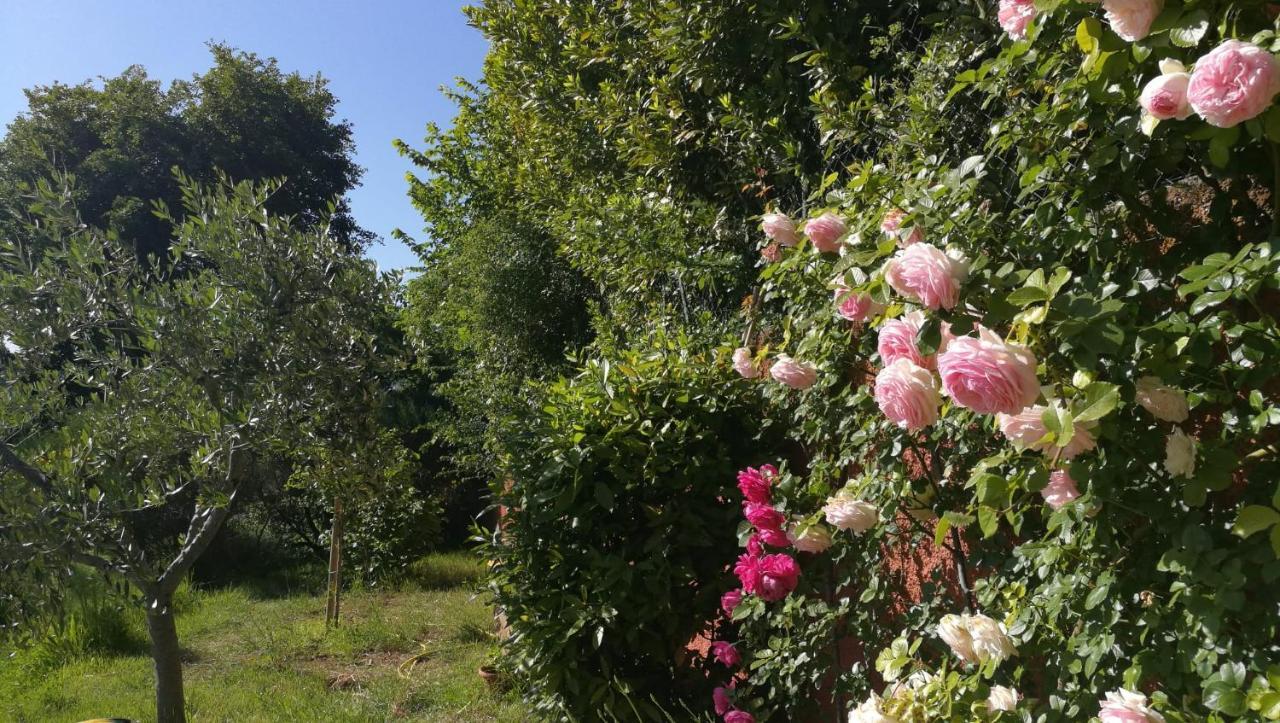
<point>130,389</point>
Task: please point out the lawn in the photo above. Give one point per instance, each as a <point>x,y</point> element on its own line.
<point>254,653</point>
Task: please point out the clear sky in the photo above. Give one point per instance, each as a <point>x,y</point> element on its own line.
<point>385,59</point>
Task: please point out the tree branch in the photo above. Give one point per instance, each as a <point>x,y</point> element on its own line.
<point>33,475</point>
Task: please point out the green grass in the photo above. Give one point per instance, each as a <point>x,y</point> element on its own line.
<point>403,654</point>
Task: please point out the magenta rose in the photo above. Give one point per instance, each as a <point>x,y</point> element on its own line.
<point>774,537</point>
<point>730,601</point>
<point>1165,96</point>
<point>763,516</point>
<point>1233,83</point>
<point>907,394</point>
<point>738,716</point>
<point>720,698</point>
<point>779,575</point>
<point>988,375</point>
<point>1026,430</point>
<point>1015,16</point>
<point>755,546</point>
<point>780,229</point>
<point>897,340</point>
<point>756,484</point>
<point>749,573</point>
<point>825,232</point>
<point>1060,490</point>
<point>1131,19</point>
<point>797,375</point>
<point>725,653</point>
<point>924,274</point>
<point>856,306</point>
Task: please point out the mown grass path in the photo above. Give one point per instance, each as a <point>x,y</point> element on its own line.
<point>251,657</point>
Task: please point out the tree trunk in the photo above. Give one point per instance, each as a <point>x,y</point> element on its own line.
<point>335,566</point>
<point>170,706</point>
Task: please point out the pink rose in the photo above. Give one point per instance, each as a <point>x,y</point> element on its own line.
<point>763,516</point>
<point>779,575</point>
<point>1131,19</point>
<point>907,394</point>
<point>856,306</point>
<point>893,221</point>
<point>749,574</point>
<point>738,716</point>
<point>825,232</point>
<point>1165,96</point>
<point>897,340</point>
<point>771,254</point>
<point>730,601</point>
<point>797,375</point>
<point>1026,430</point>
<point>720,698</point>
<point>1015,16</point>
<point>744,363</point>
<point>756,484</point>
<point>1060,490</point>
<point>988,375</point>
<point>725,653</point>
<point>1233,83</point>
<point>924,274</point>
<point>780,229</point>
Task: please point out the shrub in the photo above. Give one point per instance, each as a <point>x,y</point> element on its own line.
<point>611,556</point>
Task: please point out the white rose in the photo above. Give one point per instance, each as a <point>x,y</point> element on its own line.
<point>1126,706</point>
<point>847,512</point>
<point>989,639</point>
<point>1002,698</point>
<point>813,538</point>
<point>954,631</point>
<point>870,712</point>
<point>1163,401</point>
<point>1180,454</point>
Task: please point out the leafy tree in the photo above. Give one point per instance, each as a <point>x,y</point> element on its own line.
<point>131,390</point>
<point>243,117</point>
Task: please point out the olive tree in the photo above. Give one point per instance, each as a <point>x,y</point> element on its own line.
<point>132,389</point>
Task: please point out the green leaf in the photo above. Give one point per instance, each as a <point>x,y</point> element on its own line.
<point>1027,295</point>
<point>1190,29</point>
<point>1088,35</point>
<point>1254,518</point>
<point>604,496</point>
<point>991,488</point>
<point>1096,596</point>
<point>988,520</point>
<point>1100,398</point>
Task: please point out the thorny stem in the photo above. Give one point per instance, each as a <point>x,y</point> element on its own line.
<point>962,575</point>
<point>1275,189</point>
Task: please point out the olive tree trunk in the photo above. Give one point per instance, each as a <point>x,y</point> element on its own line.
<point>333,606</point>
<point>167,657</point>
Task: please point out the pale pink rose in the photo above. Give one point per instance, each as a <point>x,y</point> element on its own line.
<point>825,232</point>
<point>1015,16</point>
<point>1127,706</point>
<point>1165,96</point>
<point>1163,401</point>
<point>924,274</point>
<point>1060,490</point>
<point>797,375</point>
<point>1233,83</point>
<point>781,229</point>
<point>813,538</point>
<point>771,253</point>
<point>907,394</point>
<point>744,363</point>
<point>1131,19</point>
<point>1180,454</point>
<point>893,221</point>
<point>855,306</point>
<point>988,375</point>
<point>897,340</point>
<point>1002,698</point>
<point>1026,430</point>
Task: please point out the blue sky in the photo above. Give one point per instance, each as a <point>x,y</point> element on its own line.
<point>385,59</point>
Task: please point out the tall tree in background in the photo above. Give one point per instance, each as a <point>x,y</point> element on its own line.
<point>244,117</point>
